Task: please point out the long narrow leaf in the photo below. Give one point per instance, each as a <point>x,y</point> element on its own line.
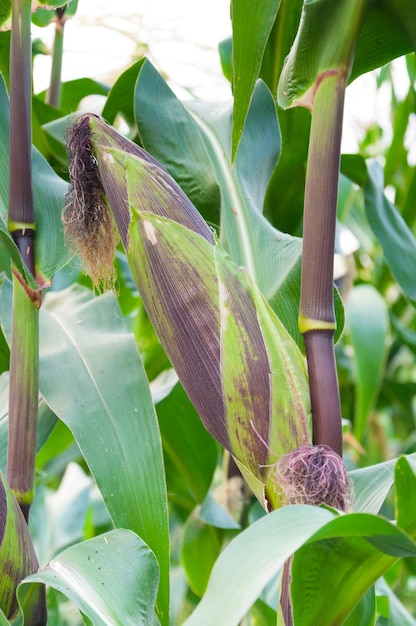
<point>112,579</point>
<point>391,231</point>
<point>248,18</point>
<point>92,377</point>
<point>249,562</point>
<point>369,325</point>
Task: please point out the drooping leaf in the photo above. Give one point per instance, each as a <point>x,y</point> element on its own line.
<point>323,565</point>
<point>391,231</point>
<point>112,579</point>
<point>249,562</point>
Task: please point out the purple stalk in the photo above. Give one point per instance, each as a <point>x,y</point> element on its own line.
<point>21,210</point>
<point>316,316</point>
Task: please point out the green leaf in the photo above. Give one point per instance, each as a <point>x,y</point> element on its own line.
<point>112,579</point>
<point>248,19</point>
<point>398,615</point>
<point>325,565</point>
<point>324,43</point>
<point>405,480</point>
<point>5,10</point>
<point>249,563</point>
<point>391,231</point>
<point>201,546</point>
<point>192,451</point>
<point>169,132</point>
<point>73,91</point>
<point>225,49</point>
<point>92,377</point>
<point>388,32</point>
<point>372,484</point>
<point>337,36</point>
<point>57,518</point>
<point>213,513</point>
<point>50,3</point>
<point>122,94</point>
<point>368,324</point>
<point>364,613</point>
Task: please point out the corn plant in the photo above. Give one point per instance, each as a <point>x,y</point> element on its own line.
<point>186,425</point>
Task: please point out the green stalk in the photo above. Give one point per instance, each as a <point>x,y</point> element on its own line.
<point>316,314</point>
<point>54,92</point>
<point>23,400</point>
<point>23,394</point>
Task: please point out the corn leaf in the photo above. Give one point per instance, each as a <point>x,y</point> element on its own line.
<point>323,566</point>
<point>112,579</point>
<point>369,326</point>
<point>84,344</point>
<point>333,36</point>
<point>248,17</point>
<point>249,563</point>
<point>391,231</point>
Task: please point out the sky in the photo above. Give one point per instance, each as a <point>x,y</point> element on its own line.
<point>181,39</point>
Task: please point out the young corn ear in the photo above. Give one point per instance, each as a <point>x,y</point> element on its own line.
<point>17,555</point>
<point>239,366</point>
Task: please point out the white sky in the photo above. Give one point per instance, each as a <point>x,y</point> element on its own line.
<point>181,38</point>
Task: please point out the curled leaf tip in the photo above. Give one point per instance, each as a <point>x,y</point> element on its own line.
<point>88,222</point>
<point>313,475</point>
